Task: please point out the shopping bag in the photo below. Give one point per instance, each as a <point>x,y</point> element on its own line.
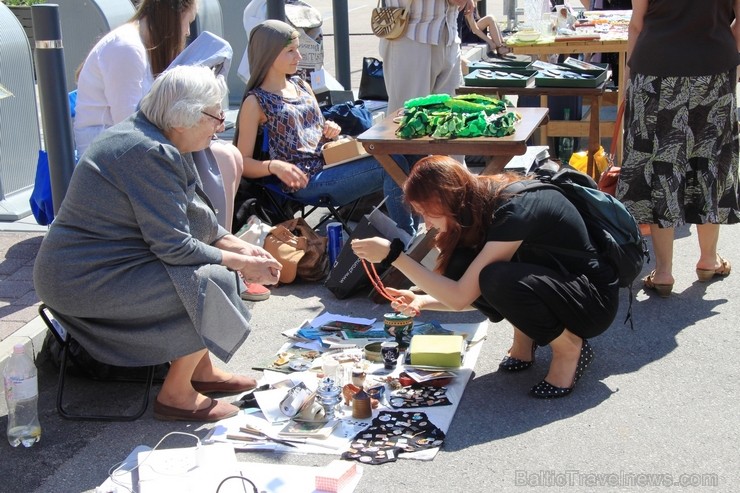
<point>42,205</point>
<point>352,116</point>
<point>348,277</point>
<point>372,80</point>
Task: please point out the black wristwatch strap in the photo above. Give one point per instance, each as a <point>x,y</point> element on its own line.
<point>395,251</point>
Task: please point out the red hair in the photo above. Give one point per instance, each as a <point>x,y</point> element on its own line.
<point>442,186</point>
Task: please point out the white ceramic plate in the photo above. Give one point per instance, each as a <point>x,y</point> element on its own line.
<point>299,364</point>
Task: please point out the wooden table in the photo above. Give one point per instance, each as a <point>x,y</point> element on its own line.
<point>592,129</point>
<point>612,42</point>
<point>381,141</point>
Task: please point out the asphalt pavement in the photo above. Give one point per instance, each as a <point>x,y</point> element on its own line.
<point>658,407</point>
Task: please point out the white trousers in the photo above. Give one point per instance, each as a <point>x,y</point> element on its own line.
<point>412,69</point>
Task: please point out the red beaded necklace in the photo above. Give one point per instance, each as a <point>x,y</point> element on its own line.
<point>372,274</point>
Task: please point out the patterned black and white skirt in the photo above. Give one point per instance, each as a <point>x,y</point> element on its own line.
<point>681,150</point>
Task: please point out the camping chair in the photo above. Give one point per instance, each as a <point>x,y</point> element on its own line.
<point>338,213</point>
<point>65,340</point>
<point>275,206</point>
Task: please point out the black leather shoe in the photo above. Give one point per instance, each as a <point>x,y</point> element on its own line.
<point>545,390</point>
<point>515,364</point>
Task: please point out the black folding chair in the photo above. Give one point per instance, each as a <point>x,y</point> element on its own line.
<point>64,338</point>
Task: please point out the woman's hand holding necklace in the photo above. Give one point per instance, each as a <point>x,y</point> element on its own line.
<point>406,302</point>
<point>373,249</point>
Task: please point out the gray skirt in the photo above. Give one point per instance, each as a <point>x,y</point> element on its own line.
<point>681,150</point>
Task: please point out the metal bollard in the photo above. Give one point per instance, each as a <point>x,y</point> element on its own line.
<point>341,43</point>
<point>53,96</point>
<point>276,10</point>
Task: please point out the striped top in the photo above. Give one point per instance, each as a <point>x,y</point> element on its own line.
<point>428,19</point>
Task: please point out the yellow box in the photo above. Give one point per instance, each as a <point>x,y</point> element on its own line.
<point>444,351</point>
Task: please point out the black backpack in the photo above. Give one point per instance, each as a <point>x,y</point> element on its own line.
<point>612,229</point>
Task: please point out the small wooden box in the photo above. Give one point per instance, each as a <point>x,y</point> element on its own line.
<point>342,151</point>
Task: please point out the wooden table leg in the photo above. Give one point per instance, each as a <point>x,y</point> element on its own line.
<point>495,164</point>
<point>594,136</point>
<point>543,135</point>
<point>390,167</point>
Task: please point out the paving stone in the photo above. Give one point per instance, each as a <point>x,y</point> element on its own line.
<point>20,245</point>
<point>8,328</point>
<point>28,299</point>
<point>19,313</point>
<point>10,266</point>
<point>14,289</point>
<point>24,273</point>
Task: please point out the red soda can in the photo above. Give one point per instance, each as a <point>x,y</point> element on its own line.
<point>334,246</point>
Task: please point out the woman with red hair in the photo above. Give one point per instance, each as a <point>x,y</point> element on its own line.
<point>490,238</point>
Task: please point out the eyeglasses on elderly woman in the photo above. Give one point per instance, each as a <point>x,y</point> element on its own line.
<point>221,118</point>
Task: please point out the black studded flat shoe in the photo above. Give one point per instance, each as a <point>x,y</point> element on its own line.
<point>545,390</point>
<point>515,364</point>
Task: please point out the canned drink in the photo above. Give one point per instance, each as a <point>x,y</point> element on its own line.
<point>334,246</point>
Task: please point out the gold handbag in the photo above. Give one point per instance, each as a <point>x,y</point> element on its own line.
<point>389,22</point>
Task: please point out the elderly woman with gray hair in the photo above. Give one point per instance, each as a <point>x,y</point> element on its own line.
<point>135,265</point>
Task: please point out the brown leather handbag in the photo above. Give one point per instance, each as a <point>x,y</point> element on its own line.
<point>300,249</point>
<point>609,178</point>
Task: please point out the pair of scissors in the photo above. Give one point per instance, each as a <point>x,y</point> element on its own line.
<point>254,435</point>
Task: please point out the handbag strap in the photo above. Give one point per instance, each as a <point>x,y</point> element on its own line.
<point>381,4</point>
<point>617,128</point>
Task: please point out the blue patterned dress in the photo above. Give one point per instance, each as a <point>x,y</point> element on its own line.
<point>294,127</point>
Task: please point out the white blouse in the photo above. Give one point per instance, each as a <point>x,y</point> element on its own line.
<point>114,78</point>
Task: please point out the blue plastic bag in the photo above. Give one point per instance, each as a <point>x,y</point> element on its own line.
<point>42,204</point>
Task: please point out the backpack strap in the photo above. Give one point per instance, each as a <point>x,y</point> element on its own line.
<point>529,185</point>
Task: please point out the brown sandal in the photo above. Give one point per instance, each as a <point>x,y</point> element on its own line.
<point>215,411</point>
<point>663,290</point>
<point>236,384</point>
<point>503,49</point>
<point>706,275</point>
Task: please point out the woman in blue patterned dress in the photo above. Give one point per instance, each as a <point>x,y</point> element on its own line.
<point>287,108</point>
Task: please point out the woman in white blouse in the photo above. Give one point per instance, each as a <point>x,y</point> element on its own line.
<point>120,70</point>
